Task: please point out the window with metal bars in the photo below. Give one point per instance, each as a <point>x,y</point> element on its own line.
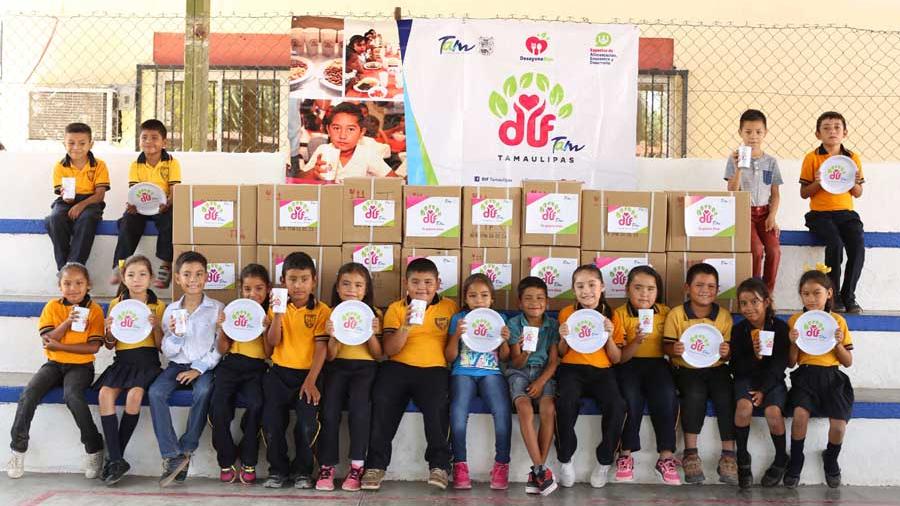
<point>662,113</point>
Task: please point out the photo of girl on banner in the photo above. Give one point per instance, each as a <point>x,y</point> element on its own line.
<point>333,140</point>
<point>373,67</point>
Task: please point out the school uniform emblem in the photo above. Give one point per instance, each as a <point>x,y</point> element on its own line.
<point>310,320</point>
<point>442,323</point>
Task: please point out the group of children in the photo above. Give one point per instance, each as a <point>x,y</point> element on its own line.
<point>298,365</point>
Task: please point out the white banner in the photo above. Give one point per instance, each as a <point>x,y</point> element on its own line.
<point>492,102</point>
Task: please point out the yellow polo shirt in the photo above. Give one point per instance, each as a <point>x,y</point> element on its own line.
<point>166,172</point>
<point>681,317</point>
<point>87,179</point>
<point>425,343</point>
<point>55,312</point>
<point>156,307</point>
<point>598,358</point>
<point>301,327</point>
<point>822,200</point>
<point>626,323</point>
<point>829,359</point>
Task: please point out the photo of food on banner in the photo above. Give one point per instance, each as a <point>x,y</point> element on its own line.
<point>373,66</point>
<point>317,57</point>
<point>335,139</point>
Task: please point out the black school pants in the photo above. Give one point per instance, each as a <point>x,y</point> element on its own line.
<point>237,375</point>
<point>695,386</point>
<point>575,382</point>
<point>350,382</point>
<point>841,230</point>
<point>648,380</point>
<point>281,393</point>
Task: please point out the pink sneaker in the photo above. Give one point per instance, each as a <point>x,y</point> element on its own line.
<point>353,481</point>
<point>228,474</point>
<point>248,475</point>
<point>461,479</point>
<point>326,478</point>
<point>500,476</point>
<point>667,471</point>
<point>625,468</point>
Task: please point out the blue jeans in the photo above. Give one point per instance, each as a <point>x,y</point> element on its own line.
<point>169,444</point>
<point>494,391</point>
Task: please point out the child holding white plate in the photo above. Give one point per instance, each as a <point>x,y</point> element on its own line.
<point>474,372</point>
<point>588,374</point>
<point>759,357</point>
<point>349,375</point>
<point>241,371</point>
<point>134,368</point>
<point>697,385</point>
<point>818,385</point>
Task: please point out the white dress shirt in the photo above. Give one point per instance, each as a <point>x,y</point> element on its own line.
<point>197,346</point>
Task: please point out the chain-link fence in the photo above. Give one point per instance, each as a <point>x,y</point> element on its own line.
<point>114,71</point>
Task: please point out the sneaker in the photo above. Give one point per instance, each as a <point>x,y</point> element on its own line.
<point>183,474</point>
<point>853,308</point>
<point>15,469</point>
<point>326,478</point>
<point>352,482</point>
<point>104,473</point>
<point>93,464</point>
<point>303,482</point>
<point>500,476</point>
<point>600,476</point>
<point>667,471</point>
<point>791,481</point>
<point>773,476</point>
<point>728,470</point>
<point>461,480</point>
<point>274,481</point>
<point>228,474</point>
<point>693,469</point>
<point>248,475</point>
<point>438,478</point>
<point>625,468</point>
<point>115,471</point>
<point>833,480</point>
<point>171,469</point>
<point>567,474</point>
<point>531,486</point>
<point>838,306</point>
<point>745,477</point>
<point>371,479</point>
<point>545,482</point>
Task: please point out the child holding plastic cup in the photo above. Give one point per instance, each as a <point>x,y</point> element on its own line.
<point>759,377</point>
<point>349,375</point>
<point>644,375</point>
<point>475,373</point>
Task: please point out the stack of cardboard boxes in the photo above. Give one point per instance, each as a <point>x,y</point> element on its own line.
<point>544,229</point>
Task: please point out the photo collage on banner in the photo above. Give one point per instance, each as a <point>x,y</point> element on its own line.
<point>346,105</point>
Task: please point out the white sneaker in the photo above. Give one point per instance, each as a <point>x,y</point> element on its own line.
<point>567,474</point>
<point>600,476</point>
<point>16,466</point>
<point>93,463</point>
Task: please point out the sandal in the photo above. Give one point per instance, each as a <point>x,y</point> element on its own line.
<point>163,276</point>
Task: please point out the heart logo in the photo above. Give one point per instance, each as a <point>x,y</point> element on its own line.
<point>529,101</point>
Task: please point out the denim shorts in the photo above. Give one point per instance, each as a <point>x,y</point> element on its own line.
<point>519,379</point>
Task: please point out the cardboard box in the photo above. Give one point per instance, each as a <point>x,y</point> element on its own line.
<point>373,210</point>
<point>214,214</point>
<point>326,258</point>
<point>555,266</point>
<point>502,265</point>
<point>733,268</point>
<point>295,214</point>
<point>448,264</point>
<point>551,213</point>
<point>623,221</point>
<point>492,217</point>
<point>224,264</point>
<point>616,265</point>
<point>711,221</point>
<point>431,217</point>
<point>383,262</point>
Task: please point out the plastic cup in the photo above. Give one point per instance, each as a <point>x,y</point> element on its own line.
<point>181,317</point>
<point>417,310</point>
<point>279,300</point>
<point>645,317</point>
<point>68,188</point>
<point>766,342</point>
<point>530,338</point>
<point>81,317</point>
<point>745,157</point>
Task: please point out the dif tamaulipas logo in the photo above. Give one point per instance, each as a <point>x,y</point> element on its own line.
<point>536,46</point>
<point>530,106</point>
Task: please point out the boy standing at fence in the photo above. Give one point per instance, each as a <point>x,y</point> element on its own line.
<point>762,179</point>
<point>154,165</point>
<point>81,181</point>
<point>831,216</point>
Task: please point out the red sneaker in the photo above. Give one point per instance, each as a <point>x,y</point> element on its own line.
<point>500,476</point>
<point>353,481</point>
<point>625,468</point>
<point>461,480</point>
<point>228,474</point>
<point>248,475</point>
<point>326,478</point>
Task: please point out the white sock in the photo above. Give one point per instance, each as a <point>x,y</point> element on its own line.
<point>357,463</point>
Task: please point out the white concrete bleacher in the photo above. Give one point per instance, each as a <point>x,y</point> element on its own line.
<point>28,280</point>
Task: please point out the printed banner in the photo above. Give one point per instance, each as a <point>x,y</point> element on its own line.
<point>708,216</point>
<point>551,213</point>
<point>491,102</point>
<point>498,212</point>
<point>499,274</point>
<point>432,217</point>
<point>375,257</point>
<point>298,213</point>
<point>220,276</point>
<point>214,214</point>
<point>373,213</point>
<point>627,220</point>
